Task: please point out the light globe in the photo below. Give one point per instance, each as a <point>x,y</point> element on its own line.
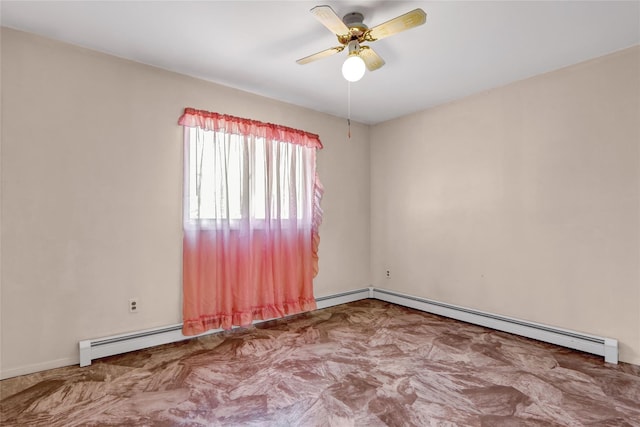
<point>353,68</point>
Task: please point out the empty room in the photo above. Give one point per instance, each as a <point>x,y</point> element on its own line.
<point>340,213</point>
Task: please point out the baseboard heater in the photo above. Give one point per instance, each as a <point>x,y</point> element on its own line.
<point>607,347</point>
<point>124,343</point>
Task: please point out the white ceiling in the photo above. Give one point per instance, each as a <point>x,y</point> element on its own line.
<point>464,48</point>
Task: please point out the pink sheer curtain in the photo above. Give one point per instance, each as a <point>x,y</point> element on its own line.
<point>251,218</point>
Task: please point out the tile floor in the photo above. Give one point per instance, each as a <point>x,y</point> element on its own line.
<point>367,363</point>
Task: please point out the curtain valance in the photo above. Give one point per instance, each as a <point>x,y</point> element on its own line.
<point>236,125</point>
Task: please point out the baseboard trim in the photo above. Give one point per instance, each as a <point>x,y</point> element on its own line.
<point>37,367</point>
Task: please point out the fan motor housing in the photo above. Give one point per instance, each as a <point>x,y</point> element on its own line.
<point>357,28</point>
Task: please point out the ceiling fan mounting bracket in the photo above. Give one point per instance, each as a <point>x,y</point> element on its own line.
<point>353,18</point>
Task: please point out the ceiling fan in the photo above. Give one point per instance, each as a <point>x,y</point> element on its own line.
<point>352,32</point>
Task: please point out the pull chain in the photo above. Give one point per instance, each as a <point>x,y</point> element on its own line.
<point>349,109</point>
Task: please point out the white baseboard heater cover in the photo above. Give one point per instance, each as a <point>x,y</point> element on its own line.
<point>606,347</point>
<point>124,343</point>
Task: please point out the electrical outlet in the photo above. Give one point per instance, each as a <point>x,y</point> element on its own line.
<point>134,305</point>
<point>388,274</point>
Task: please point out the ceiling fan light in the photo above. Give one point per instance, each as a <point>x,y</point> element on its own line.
<point>353,68</point>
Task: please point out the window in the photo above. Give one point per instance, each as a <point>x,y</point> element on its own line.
<point>251,218</point>
<point>231,178</point>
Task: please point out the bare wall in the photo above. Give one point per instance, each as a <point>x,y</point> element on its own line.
<point>521,201</point>
<point>92,193</point>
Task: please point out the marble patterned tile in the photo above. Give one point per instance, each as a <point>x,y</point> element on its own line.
<point>367,363</point>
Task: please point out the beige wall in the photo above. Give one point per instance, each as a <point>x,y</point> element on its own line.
<point>92,187</point>
<point>522,201</point>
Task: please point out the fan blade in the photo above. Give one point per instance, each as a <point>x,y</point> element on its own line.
<point>396,25</point>
<point>320,55</point>
<point>371,59</point>
<point>329,19</point>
